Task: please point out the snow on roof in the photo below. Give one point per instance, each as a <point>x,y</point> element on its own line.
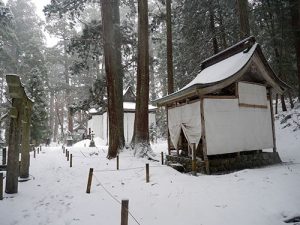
<point>223,69</point>
<point>131,106</point>
<point>93,110</point>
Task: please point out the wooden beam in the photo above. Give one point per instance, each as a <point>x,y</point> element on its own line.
<point>272,118</point>
<point>203,136</point>
<point>253,106</point>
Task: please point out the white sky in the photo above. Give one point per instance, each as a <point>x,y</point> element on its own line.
<point>50,41</point>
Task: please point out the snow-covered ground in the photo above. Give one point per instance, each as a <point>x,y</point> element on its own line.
<point>56,193</point>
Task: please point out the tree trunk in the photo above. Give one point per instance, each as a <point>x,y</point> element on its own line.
<point>140,140</point>
<point>52,112</point>
<point>295,14</point>
<point>113,69</point>
<point>152,79</point>
<point>290,99</point>
<point>283,103</point>
<point>55,131</point>
<point>276,104</point>
<point>242,6</point>
<point>14,149</point>
<point>213,30</point>
<point>169,47</point>
<point>222,27</point>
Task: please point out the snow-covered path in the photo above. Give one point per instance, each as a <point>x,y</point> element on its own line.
<point>56,193</point>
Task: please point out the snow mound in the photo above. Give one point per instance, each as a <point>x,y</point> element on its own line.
<point>86,143</point>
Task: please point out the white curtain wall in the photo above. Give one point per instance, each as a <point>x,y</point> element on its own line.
<point>188,118</point>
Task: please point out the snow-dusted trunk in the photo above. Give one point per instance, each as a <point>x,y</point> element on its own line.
<point>140,140</point>
<point>242,8</point>
<point>151,61</point>
<point>169,47</point>
<point>213,30</point>
<point>55,130</point>
<point>113,69</point>
<point>52,111</point>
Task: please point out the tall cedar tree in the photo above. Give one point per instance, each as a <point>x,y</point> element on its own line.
<point>242,6</point>
<point>113,69</point>
<point>295,14</point>
<point>169,48</point>
<point>140,140</point>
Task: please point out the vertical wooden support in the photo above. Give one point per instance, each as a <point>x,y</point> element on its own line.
<point>194,161</point>
<point>71,160</point>
<point>118,165</point>
<point>4,156</point>
<point>124,212</point>
<point>272,122</point>
<point>34,152</point>
<point>63,147</point>
<point>1,186</point>
<point>25,159</point>
<point>14,140</point>
<point>68,156</point>
<point>89,184</point>
<point>147,173</point>
<point>169,144</point>
<point>203,136</point>
<point>38,150</point>
<point>162,158</point>
<point>66,152</point>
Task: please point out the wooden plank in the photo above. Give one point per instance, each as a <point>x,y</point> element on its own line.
<point>219,97</point>
<point>168,133</point>
<point>203,136</point>
<point>272,118</point>
<point>253,106</point>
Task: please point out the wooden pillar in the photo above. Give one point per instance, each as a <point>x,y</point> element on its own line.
<point>4,156</point>
<point>25,159</point>
<point>272,118</point>
<point>14,139</point>
<point>194,160</point>
<point>169,145</point>
<point>203,136</point>
<point>124,212</point>
<point>1,186</point>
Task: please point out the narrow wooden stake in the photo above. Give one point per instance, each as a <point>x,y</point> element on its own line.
<point>63,147</point>
<point>1,186</point>
<point>71,160</point>
<point>34,153</point>
<point>88,188</point>
<point>162,158</point>
<point>124,212</point>
<point>4,156</point>
<point>38,150</point>
<point>194,162</point>
<point>68,156</point>
<point>147,173</point>
<point>118,162</point>
<point>66,152</point>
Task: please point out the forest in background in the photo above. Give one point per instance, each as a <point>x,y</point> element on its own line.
<point>68,79</point>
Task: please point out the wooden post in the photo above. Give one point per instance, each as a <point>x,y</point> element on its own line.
<point>118,162</point>
<point>4,156</point>
<point>194,161</point>
<point>34,152</point>
<point>38,150</point>
<point>71,160</point>
<point>124,212</point>
<point>66,152</point>
<point>169,144</point>
<point>68,155</point>
<point>88,188</point>
<point>63,147</point>
<point>25,159</point>
<point>147,173</point>
<point>203,136</point>
<point>162,158</point>
<point>272,122</point>
<point>1,186</point>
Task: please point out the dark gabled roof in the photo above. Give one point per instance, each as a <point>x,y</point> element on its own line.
<point>225,68</point>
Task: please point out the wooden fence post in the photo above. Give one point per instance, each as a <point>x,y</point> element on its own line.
<point>162,158</point>
<point>34,152</point>
<point>68,155</point>
<point>147,173</point>
<point>71,160</point>
<point>88,188</point>
<point>66,152</point>
<point>124,212</point>
<point>118,163</point>
<point>38,152</point>
<point>63,147</point>
<point>4,156</point>
<point>194,161</point>
<point>1,186</point>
